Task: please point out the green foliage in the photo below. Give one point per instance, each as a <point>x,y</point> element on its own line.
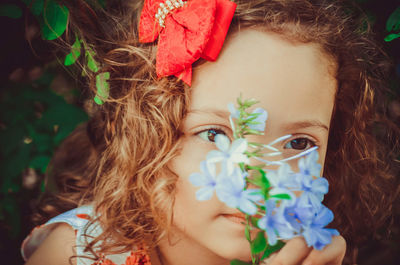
<point>91,63</point>
<point>11,11</point>
<point>259,244</point>
<point>74,54</point>
<point>271,249</point>
<point>393,25</point>
<point>34,120</point>
<point>52,17</point>
<point>392,36</point>
<point>54,20</point>
<point>36,6</point>
<point>393,22</point>
<point>103,87</point>
<point>281,196</point>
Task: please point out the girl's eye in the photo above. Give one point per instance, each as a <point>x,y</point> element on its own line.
<point>299,144</point>
<point>209,134</point>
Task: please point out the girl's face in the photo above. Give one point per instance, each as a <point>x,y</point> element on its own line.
<point>294,82</point>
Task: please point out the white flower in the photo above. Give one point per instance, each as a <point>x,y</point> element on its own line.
<point>228,154</point>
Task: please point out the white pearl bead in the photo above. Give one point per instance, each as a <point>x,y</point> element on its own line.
<point>164,10</point>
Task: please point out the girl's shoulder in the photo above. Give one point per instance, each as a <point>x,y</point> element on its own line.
<point>72,231</point>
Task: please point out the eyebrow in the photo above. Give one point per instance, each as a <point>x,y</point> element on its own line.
<point>306,124</point>
<point>216,112</point>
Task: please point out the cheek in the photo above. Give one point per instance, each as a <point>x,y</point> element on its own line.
<point>188,211</point>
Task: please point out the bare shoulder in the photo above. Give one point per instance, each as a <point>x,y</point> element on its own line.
<point>57,248</point>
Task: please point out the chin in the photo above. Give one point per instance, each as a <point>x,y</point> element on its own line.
<point>240,250</point>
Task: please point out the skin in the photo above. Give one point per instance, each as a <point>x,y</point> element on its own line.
<point>294,82</point>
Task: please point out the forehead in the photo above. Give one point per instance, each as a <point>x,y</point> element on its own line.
<point>291,80</point>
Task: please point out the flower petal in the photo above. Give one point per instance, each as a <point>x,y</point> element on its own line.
<point>205,193</point>
<point>247,206</point>
<point>234,112</point>
<point>198,179</point>
<point>239,146</point>
<point>208,168</point>
<point>320,185</point>
<point>215,156</point>
<point>239,158</point>
<point>324,217</point>
<point>222,142</point>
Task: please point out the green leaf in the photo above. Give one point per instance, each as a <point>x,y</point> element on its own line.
<point>247,233</point>
<point>259,244</point>
<point>393,22</point>
<point>253,132</point>
<point>392,36</point>
<point>11,11</point>
<point>42,141</point>
<point>239,262</point>
<point>10,185</point>
<point>10,138</point>
<point>91,63</point>
<point>254,221</point>
<point>54,21</point>
<point>36,6</point>
<point>74,54</point>
<point>103,88</point>
<point>43,186</point>
<point>40,162</point>
<point>282,196</point>
<point>271,249</point>
<point>11,166</point>
<point>64,116</point>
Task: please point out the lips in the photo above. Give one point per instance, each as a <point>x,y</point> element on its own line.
<point>239,218</point>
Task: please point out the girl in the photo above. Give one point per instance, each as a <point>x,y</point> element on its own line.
<point>309,63</point>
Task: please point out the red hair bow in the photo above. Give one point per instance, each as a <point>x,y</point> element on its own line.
<point>186,31</point>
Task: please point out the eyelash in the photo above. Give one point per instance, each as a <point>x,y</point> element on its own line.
<point>310,143</point>
<point>205,133</point>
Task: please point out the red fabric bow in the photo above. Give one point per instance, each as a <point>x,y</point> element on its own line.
<point>196,30</point>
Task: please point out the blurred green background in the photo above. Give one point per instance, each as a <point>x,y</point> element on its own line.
<point>41,102</point>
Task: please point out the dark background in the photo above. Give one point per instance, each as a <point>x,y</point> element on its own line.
<point>41,103</point>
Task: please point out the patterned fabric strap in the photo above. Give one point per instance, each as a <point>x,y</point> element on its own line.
<point>79,220</point>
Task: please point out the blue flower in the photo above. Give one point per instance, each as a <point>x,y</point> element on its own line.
<point>274,224</point>
<point>296,213</point>
<point>230,189</point>
<point>282,180</point>
<point>228,154</point>
<point>314,232</point>
<point>313,190</point>
<point>309,165</point>
<point>260,119</point>
<point>206,179</point>
<point>314,187</point>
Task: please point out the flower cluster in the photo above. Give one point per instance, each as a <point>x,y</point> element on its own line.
<point>282,203</point>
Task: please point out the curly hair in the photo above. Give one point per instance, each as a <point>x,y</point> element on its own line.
<point>133,136</point>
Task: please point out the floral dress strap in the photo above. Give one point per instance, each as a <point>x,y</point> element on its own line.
<point>79,220</point>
